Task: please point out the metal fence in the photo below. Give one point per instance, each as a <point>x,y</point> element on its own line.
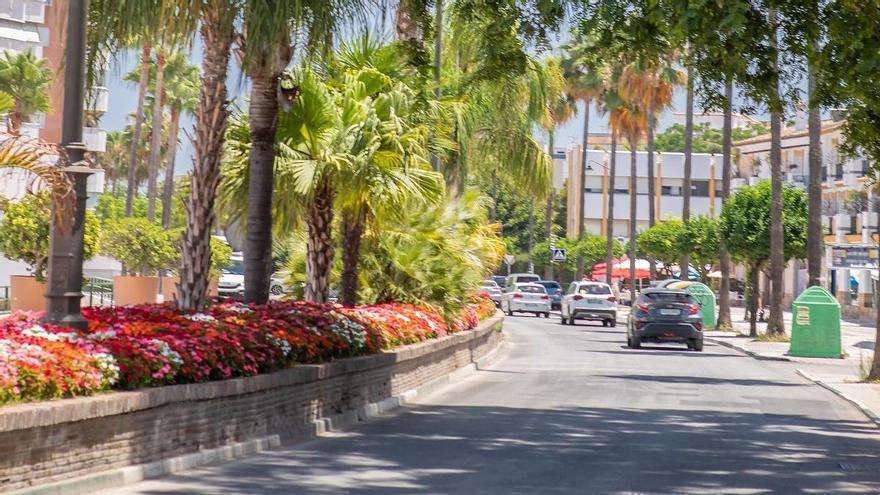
<point>97,291</point>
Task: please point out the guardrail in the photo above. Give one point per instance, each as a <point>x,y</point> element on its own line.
<point>97,291</point>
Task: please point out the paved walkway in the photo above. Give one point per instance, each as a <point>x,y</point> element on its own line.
<point>841,375</point>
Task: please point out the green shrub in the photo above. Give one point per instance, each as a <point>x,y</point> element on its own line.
<point>142,247</point>
<point>24,232</point>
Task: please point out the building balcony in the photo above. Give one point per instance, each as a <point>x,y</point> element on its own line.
<point>97,100</point>
<point>95,139</point>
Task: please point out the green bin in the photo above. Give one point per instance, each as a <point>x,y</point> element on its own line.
<point>706,298</point>
<point>815,326</point>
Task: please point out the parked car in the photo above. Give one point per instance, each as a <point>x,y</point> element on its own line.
<point>501,280</point>
<point>493,290</point>
<point>231,283</point>
<point>592,301</point>
<point>554,290</point>
<point>276,285</point>
<point>526,298</point>
<point>519,278</point>
<point>665,315</point>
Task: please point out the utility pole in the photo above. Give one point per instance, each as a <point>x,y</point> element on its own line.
<point>64,293</point>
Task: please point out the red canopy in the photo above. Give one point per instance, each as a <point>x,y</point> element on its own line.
<point>620,269</point>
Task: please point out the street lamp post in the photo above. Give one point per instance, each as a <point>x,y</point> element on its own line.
<point>64,294</point>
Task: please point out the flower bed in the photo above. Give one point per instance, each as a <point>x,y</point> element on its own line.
<point>151,345</point>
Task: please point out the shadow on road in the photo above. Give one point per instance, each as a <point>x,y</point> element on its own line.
<point>705,380</point>
<point>566,450</point>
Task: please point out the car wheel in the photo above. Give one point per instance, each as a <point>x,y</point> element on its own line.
<point>276,290</point>
<point>612,323</point>
<point>698,345</point>
<point>562,320</point>
<point>635,342</point>
<point>604,323</point>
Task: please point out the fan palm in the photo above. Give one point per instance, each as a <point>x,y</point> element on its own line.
<point>26,78</point>
<point>181,96</point>
<point>630,122</point>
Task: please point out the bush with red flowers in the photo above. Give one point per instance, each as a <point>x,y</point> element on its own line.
<point>151,345</point>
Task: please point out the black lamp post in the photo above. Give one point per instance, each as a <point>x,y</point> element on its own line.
<point>64,294</point>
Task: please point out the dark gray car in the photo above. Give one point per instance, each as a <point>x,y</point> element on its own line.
<point>665,315</point>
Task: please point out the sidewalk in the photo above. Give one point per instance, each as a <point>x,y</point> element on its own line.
<point>840,376</point>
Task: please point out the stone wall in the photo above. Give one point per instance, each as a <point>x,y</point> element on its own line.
<point>60,440</point>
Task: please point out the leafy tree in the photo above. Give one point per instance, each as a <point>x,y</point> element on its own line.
<point>707,139</point>
<point>662,242</point>
<point>24,232</point>
<point>701,239</point>
<point>141,246</point>
<point>591,248</point>
<point>26,78</point>
<point>745,225</point>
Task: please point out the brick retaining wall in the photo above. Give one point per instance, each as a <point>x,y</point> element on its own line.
<point>54,441</point>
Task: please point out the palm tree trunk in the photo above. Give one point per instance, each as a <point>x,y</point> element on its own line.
<point>352,227</point>
<point>548,232</point>
<point>168,187</point>
<point>652,215</point>
<point>531,236</point>
<point>777,262</point>
<point>319,256</point>
<point>156,138</point>
<point>632,219</point>
<point>684,265</point>
<point>609,229</point>
<point>263,117</point>
<point>494,213</point>
<point>580,198</point>
<point>143,80</point>
<point>724,322</point>
<point>217,30</point>
<point>752,292</point>
<point>406,27</point>
<point>815,239</point>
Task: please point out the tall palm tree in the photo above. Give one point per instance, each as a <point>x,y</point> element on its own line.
<point>775,324</point>
<point>113,159</point>
<point>815,239</point>
<point>182,96</point>
<point>144,72</point>
<point>267,51</point>
<point>684,265</point>
<point>561,111</point>
<point>609,230</point>
<point>26,78</point>
<point>584,83</point>
<point>156,137</point>
<point>724,322</point>
<point>630,122</point>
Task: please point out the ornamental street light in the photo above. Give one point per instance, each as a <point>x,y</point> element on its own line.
<point>64,294</point>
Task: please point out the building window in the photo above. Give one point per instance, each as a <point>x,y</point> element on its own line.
<point>621,191</point>
<point>670,191</point>
<point>700,188</point>
<point>593,189</point>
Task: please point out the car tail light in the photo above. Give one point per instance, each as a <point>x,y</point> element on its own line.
<point>612,299</point>
<point>643,307</point>
<point>578,297</point>
<point>545,297</point>
<point>517,296</point>
<point>640,323</point>
<point>695,309</point>
<point>698,326</point>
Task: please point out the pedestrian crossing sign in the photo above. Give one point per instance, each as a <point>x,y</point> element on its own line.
<point>558,254</point>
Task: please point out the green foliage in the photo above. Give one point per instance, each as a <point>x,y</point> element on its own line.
<point>26,78</point>
<point>142,247</point>
<point>434,255</point>
<point>702,240</point>
<point>591,247</point>
<point>662,242</point>
<point>707,139</point>
<point>110,207</point>
<point>221,255</point>
<point>745,223</point>
<point>24,232</point>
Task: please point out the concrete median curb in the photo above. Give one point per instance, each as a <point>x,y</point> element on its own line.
<point>870,414</point>
<point>731,345</point>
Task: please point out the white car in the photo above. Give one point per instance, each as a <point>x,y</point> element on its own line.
<point>589,301</point>
<point>232,278</point>
<point>519,278</point>
<point>526,298</point>
<point>491,287</point>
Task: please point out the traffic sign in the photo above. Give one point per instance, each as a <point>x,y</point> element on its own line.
<point>558,254</point>
<point>509,259</point>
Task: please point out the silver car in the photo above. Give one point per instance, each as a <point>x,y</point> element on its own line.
<point>526,298</point>
<point>491,287</point>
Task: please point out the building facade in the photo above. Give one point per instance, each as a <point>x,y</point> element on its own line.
<point>669,182</point>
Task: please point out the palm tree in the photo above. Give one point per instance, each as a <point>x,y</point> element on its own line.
<point>815,239</point>
<point>775,324</point>
<point>684,265</point>
<point>584,83</point>
<point>156,137</point>
<point>144,72</point>
<point>724,322</point>
<point>630,122</point>
<point>267,52</point>
<point>112,161</point>
<point>26,78</point>
<point>181,95</point>
<point>561,111</point>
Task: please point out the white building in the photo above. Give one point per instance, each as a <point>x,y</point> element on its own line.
<point>715,119</point>
<point>669,181</point>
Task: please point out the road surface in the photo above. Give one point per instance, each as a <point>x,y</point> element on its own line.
<point>572,410</point>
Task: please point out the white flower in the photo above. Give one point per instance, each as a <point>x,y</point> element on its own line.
<point>202,317</point>
<point>240,309</point>
<point>282,344</point>
<point>109,368</point>
<point>168,353</point>
<point>107,334</point>
<point>39,332</point>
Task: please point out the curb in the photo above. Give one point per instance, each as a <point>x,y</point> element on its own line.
<point>871,415</point>
<point>117,478</point>
<point>760,357</point>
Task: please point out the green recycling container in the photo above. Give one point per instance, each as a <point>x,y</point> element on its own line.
<point>706,298</point>
<point>815,326</point>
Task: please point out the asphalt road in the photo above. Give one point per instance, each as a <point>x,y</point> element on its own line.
<point>572,410</point>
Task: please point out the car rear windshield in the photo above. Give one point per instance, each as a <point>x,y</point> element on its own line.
<point>531,289</point>
<point>550,285</point>
<point>594,289</point>
<point>669,297</point>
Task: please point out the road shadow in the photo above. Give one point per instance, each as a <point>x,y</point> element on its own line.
<point>664,351</point>
<point>705,380</point>
<point>497,450</point>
